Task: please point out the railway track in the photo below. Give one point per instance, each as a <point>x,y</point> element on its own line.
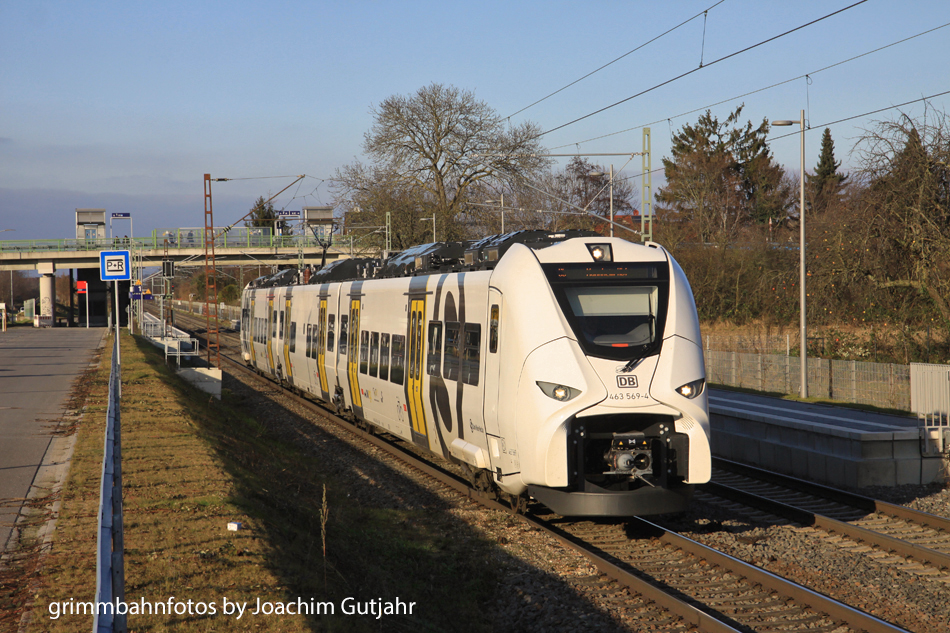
<point>692,585</point>
<point>902,532</point>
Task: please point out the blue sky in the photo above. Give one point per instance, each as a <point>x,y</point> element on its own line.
<point>126,105</point>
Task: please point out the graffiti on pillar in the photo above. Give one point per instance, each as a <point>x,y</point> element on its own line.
<point>46,306</point>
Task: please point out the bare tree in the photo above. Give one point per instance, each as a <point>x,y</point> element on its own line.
<point>905,164</point>
<point>441,141</point>
<point>366,194</point>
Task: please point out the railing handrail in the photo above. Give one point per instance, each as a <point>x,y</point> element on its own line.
<point>110,563</point>
<point>158,242</point>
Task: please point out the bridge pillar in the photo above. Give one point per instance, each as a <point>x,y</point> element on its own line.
<point>47,289</point>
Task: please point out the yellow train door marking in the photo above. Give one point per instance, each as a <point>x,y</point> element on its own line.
<point>250,324</point>
<point>322,345</point>
<point>353,351</point>
<point>416,345</point>
<point>288,368</point>
<point>271,327</point>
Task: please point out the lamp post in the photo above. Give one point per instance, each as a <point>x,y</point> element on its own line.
<point>11,273</point>
<point>801,253</point>
<point>433,225</point>
<point>597,174</point>
<point>502,203</point>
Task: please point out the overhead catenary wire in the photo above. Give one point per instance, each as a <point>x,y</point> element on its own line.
<point>630,52</point>
<point>758,90</point>
<point>690,72</point>
<point>824,125</point>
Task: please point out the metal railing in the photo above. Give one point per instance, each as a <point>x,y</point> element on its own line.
<point>110,564</point>
<point>879,384</point>
<point>930,393</point>
<point>178,239</point>
<point>175,343</point>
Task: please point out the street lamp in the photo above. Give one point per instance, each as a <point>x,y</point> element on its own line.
<point>11,273</point>
<point>502,203</point>
<point>801,253</point>
<point>433,225</point>
<point>597,174</point>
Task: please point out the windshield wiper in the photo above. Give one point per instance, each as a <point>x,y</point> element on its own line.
<point>632,364</point>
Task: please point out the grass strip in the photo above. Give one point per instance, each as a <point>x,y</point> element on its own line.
<point>191,466</point>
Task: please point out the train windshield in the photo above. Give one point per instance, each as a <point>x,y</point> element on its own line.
<point>617,310</point>
<point>615,316</point>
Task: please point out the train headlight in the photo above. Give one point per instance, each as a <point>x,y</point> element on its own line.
<point>561,393</point>
<point>692,389</point>
<point>601,252</point>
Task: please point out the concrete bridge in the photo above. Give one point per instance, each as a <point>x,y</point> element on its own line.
<point>183,246</point>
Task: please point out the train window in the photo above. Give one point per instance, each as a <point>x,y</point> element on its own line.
<point>344,318</point>
<point>273,333</point>
<point>292,347</point>
<point>434,357</point>
<point>615,316</point>
<point>364,351</point>
<point>320,331</point>
<point>471,352</point>
<point>309,347</point>
<point>451,368</point>
<point>384,356</point>
<point>398,367</point>
<point>412,343</point>
<point>374,354</point>
<point>331,324</point>
<point>493,330</point>
<point>281,324</point>
<point>354,326</point>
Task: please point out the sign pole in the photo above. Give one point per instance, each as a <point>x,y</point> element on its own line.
<point>87,309</point>
<point>118,352</point>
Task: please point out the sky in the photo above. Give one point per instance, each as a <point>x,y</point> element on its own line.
<point>126,105</point>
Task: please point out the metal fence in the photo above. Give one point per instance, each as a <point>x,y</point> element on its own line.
<point>930,393</point>
<point>110,565</point>
<point>177,238</point>
<point>879,384</point>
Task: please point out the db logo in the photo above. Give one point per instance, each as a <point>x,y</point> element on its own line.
<point>626,381</point>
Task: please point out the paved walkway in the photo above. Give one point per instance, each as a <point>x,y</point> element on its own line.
<point>820,415</point>
<point>37,370</point>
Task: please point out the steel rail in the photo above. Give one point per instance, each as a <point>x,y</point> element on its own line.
<point>689,613</point>
<point>817,601</point>
<point>861,502</point>
<point>828,524</point>
<point>705,621</point>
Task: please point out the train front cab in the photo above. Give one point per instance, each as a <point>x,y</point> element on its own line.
<point>614,433</point>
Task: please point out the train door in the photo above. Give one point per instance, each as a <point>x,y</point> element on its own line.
<point>352,361</point>
<point>321,344</point>
<point>288,327</point>
<point>414,381</point>
<point>334,366</point>
<point>271,332</point>
<point>493,362</point>
<point>251,330</point>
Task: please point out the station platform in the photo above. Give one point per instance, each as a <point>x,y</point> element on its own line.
<point>38,368</point>
<point>828,444</point>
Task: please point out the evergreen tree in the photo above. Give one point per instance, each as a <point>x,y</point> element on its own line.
<point>826,185</point>
<point>263,215</point>
<point>722,177</point>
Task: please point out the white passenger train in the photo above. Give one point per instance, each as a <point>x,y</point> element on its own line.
<point>567,367</point>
